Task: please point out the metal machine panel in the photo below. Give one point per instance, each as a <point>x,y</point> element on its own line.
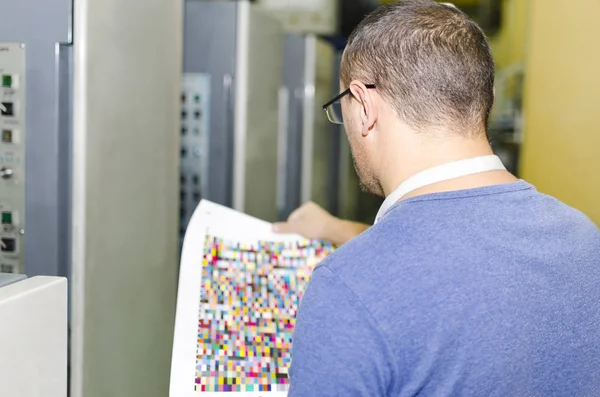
<point>33,338</point>
<point>291,155</point>
<point>322,148</point>
<point>305,16</point>
<point>195,142</point>
<point>309,75</point>
<point>258,79</point>
<point>241,49</point>
<point>65,158</point>
<point>12,156</point>
<point>8,279</point>
<point>41,31</point>
<point>127,79</point>
<point>209,48</point>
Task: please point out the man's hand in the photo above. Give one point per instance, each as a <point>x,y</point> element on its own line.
<point>314,223</point>
<point>310,221</point>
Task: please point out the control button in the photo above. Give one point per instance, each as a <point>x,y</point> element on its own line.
<point>195,179</point>
<point>196,131</point>
<point>7,109</point>
<point>7,245</point>
<point>183,152</point>
<point>182,211</point>
<point>196,196</point>
<point>7,136</point>
<point>7,218</point>
<point>6,173</point>
<point>197,114</point>
<point>7,268</point>
<point>183,130</point>
<point>197,98</point>
<point>183,114</point>
<point>183,97</point>
<point>10,229</point>
<point>7,80</point>
<point>183,195</point>
<point>182,178</point>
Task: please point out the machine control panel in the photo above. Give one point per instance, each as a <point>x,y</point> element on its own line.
<point>195,125</point>
<point>12,157</point>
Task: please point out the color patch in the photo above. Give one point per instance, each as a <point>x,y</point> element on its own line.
<point>248,304</point>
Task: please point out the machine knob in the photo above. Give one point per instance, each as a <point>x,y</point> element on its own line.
<point>6,173</point>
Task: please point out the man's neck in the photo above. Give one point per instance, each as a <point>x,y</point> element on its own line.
<point>435,154</point>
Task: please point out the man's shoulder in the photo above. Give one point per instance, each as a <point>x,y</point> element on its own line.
<point>553,216</point>
<point>353,251</point>
<point>362,258</point>
<point>566,213</point>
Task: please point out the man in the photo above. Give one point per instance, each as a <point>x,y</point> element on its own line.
<point>470,283</point>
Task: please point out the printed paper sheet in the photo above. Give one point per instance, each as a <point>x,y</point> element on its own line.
<point>239,291</point>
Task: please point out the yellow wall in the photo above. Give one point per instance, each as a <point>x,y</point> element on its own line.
<point>510,43</point>
<point>561,153</point>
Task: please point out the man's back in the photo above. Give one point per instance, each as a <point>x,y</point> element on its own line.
<point>491,291</point>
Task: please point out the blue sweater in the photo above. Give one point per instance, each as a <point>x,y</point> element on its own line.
<point>493,291</point>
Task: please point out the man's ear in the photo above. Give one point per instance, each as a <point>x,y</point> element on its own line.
<point>367,100</point>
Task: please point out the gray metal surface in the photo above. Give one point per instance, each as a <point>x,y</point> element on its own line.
<point>241,49</point>
<point>8,279</point>
<point>293,80</point>
<point>210,47</point>
<point>323,146</point>
<point>265,63</point>
<point>309,75</point>
<point>65,156</point>
<point>127,79</point>
<point>13,129</point>
<point>40,24</point>
<point>195,139</point>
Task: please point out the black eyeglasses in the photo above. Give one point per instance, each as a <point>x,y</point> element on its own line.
<point>333,108</point>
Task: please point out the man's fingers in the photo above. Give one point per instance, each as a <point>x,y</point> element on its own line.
<point>295,216</point>
<point>302,212</point>
<point>283,227</point>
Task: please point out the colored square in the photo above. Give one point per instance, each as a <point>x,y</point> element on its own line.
<point>7,136</point>
<point>7,218</point>
<point>7,80</point>
<point>249,297</point>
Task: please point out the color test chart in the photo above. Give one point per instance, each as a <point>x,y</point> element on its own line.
<point>248,305</point>
<point>247,293</point>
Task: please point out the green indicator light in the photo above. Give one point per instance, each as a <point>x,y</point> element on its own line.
<point>7,80</point>
<point>7,218</point>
